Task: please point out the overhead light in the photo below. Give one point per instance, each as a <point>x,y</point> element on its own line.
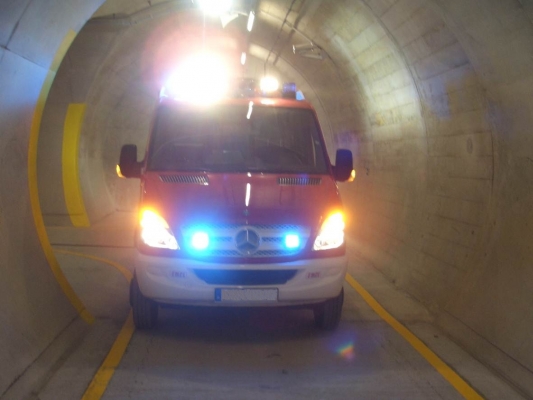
<point>248,116</point>
<point>297,48</point>
<point>243,58</point>
<point>215,7</point>
<point>308,50</point>
<point>251,18</point>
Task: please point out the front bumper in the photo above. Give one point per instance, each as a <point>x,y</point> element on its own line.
<point>176,281</point>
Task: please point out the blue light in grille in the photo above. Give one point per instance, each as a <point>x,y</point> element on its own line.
<point>292,241</point>
<point>200,240</point>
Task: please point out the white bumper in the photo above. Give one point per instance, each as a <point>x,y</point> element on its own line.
<point>173,281</point>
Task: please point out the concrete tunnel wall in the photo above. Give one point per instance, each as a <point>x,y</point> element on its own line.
<point>34,309</point>
<point>432,96</point>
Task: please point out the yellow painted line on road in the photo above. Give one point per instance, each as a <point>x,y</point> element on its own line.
<point>33,185</point>
<point>103,376</point>
<point>450,375</point>
<point>71,179</point>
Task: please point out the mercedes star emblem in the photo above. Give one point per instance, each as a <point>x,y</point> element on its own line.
<point>247,241</point>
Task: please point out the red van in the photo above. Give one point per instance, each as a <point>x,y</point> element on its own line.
<point>239,207</point>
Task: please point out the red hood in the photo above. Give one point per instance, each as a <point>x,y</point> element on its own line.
<point>221,198</point>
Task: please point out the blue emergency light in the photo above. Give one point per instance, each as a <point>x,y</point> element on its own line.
<point>200,240</point>
<point>292,241</point>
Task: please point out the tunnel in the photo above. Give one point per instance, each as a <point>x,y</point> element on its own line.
<point>433,98</point>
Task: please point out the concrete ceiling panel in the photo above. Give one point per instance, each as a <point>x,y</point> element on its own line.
<point>121,8</point>
<point>10,13</point>
<point>47,16</point>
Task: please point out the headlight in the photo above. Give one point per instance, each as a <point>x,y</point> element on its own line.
<point>155,231</point>
<point>331,234</point>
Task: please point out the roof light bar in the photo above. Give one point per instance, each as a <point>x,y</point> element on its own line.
<point>289,90</point>
<point>269,84</point>
<point>202,78</point>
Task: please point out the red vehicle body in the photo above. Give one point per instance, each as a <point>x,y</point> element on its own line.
<point>246,209</point>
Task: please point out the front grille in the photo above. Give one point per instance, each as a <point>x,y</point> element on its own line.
<point>277,227</point>
<point>247,241</point>
<point>219,227</point>
<point>272,239</point>
<point>194,179</point>
<point>224,253</point>
<point>237,277</point>
<point>276,253</point>
<point>259,253</point>
<point>299,181</point>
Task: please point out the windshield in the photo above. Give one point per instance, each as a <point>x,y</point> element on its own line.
<point>236,138</point>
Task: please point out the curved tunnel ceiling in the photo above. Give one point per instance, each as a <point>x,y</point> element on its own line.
<point>432,97</point>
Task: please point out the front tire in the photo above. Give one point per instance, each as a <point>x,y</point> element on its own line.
<point>328,314</point>
<point>145,311</point>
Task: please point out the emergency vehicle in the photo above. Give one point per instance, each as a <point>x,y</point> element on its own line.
<point>239,207</point>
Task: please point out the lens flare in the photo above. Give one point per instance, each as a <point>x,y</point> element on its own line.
<point>347,351</point>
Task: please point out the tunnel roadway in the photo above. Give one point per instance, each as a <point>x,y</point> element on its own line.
<point>203,353</point>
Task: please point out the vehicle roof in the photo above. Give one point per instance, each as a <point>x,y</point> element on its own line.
<point>276,102</point>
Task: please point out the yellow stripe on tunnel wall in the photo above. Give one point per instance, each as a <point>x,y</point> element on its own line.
<point>33,187</point>
<point>71,181</point>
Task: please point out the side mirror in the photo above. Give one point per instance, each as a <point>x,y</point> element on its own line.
<point>343,165</point>
<point>129,167</point>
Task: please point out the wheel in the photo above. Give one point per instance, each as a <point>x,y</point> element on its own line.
<point>328,314</point>
<point>144,310</point>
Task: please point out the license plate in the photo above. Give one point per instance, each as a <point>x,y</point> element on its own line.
<point>246,295</point>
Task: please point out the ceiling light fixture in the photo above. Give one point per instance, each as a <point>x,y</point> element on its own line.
<point>308,50</point>
<point>215,7</point>
<point>251,19</point>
